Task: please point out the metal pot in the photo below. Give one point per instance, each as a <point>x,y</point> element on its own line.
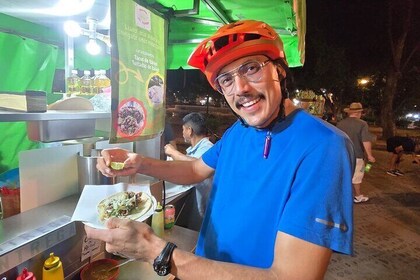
<point>88,174</point>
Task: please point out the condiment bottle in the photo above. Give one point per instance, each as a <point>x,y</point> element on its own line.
<point>86,83</point>
<point>53,268</point>
<point>26,275</point>
<point>157,220</point>
<point>73,83</point>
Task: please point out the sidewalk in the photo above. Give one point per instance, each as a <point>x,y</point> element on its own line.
<point>387,227</point>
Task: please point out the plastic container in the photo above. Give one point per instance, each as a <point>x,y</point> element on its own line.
<point>86,83</point>
<point>95,82</point>
<point>53,268</point>
<point>368,166</point>
<point>102,81</point>
<point>158,220</point>
<point>73,83</point>
<point>26,275</point>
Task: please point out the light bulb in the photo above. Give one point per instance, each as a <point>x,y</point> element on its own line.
<point>72,28</point>
<point>92,47</point>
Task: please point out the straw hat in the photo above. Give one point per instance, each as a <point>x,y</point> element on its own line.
<point>354,107</point>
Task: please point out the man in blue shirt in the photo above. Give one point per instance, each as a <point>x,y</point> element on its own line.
<point>281,201</point>
<point>194,132</point>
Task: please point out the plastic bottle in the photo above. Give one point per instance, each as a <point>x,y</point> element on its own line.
<point>73,83</point>
<point>368,166</point>
<point>95,82</point>
<point>53,268</point>
<point>158,220</point>
<point>86,83</point>
<point>103,81</point>
<point>26,275</point>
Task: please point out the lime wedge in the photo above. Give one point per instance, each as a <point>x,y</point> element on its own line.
<point>117,165</point>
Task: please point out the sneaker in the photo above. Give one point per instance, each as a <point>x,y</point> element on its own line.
<point>360,198</point>
<point>391,172</point>
<point>398,172</point>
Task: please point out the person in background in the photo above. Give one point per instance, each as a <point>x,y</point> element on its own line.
<point>194,132</point>
<point>168,137</point>
<point>358,131</point>
<point>397,146</point>
<point>273,170</point>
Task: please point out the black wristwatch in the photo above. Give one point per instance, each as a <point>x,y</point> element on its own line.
<point>162,264</point>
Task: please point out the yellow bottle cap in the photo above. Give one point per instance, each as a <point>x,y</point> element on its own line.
<point>52,261</point>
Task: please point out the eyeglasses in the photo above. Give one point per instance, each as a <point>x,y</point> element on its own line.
<point>250,71</point>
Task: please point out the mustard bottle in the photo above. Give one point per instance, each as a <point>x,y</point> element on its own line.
<point>53,268</point>
<point>158,220</point>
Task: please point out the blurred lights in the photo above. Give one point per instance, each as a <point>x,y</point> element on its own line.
<point>92,47</point>
<point>73,29</point>
<point>363,81</point>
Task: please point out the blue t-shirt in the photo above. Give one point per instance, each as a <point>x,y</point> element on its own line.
<point>303,189</point>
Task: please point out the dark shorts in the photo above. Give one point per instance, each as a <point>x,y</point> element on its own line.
<point>393,142</point>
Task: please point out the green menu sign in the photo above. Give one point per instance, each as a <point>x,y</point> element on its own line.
<point>138,73</point>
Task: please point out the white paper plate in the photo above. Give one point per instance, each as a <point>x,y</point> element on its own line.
<point>86,209</point>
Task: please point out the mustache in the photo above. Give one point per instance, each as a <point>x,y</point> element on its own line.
<point>246,98</point>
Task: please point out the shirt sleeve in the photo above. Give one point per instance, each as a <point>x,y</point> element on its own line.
<point>202,148</point>
<point>320,207</point>
<point>366,136</point>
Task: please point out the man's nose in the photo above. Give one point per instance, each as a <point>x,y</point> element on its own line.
<point>240,85</point>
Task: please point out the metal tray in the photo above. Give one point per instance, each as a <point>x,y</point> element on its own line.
<point>59,130</point>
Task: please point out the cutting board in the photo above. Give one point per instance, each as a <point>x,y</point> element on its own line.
<point>47,175</point>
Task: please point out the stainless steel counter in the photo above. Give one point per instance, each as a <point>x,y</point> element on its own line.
<point>27,239</point>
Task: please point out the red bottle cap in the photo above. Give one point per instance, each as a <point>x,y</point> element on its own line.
<point>26,275</point>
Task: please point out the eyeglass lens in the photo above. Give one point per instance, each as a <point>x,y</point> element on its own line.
<point>251,71</point>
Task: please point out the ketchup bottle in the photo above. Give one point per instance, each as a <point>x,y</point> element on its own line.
<point>26,275</point>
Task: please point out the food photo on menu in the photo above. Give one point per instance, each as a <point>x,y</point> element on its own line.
<point>155,90</point>
<point>131,117</point>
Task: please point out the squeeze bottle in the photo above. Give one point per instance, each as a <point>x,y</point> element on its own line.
<point>53,268</point>
<point>26,275</point>
<point>158,220</point>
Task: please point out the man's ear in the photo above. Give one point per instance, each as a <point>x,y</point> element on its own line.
<point>281,72</point>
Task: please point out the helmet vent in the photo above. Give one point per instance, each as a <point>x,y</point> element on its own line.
<point>250,36</point>
<point>221,42</point>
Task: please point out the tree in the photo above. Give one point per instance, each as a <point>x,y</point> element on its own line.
<point>401,56</point>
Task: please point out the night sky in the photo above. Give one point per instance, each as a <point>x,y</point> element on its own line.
<point>357,26</point>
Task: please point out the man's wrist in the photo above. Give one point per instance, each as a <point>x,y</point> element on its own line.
<point>162,263</point>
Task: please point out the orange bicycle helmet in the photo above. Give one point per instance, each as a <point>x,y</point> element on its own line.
<point>233,41</point>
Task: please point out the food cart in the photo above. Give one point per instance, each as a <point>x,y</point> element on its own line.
<point>46,145</point>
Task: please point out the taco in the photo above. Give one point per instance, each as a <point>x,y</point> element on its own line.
<point>126,204</point>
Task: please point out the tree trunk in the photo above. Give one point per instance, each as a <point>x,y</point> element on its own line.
<point>395,68</point>
<point>387,111</point>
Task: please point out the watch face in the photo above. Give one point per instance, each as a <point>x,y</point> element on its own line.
<point>161,269</point>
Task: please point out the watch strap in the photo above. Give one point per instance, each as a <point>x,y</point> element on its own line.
<point>162,264</point>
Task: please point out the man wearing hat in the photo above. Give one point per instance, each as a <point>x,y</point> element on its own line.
<point>358,132</point>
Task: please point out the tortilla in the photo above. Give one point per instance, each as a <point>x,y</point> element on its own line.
<point>126,205</point>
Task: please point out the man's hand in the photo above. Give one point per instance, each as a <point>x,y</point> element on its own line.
<point>128,238</point>
<point>131,162</point>
<point>371,158</point>
<point>170,150</point>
